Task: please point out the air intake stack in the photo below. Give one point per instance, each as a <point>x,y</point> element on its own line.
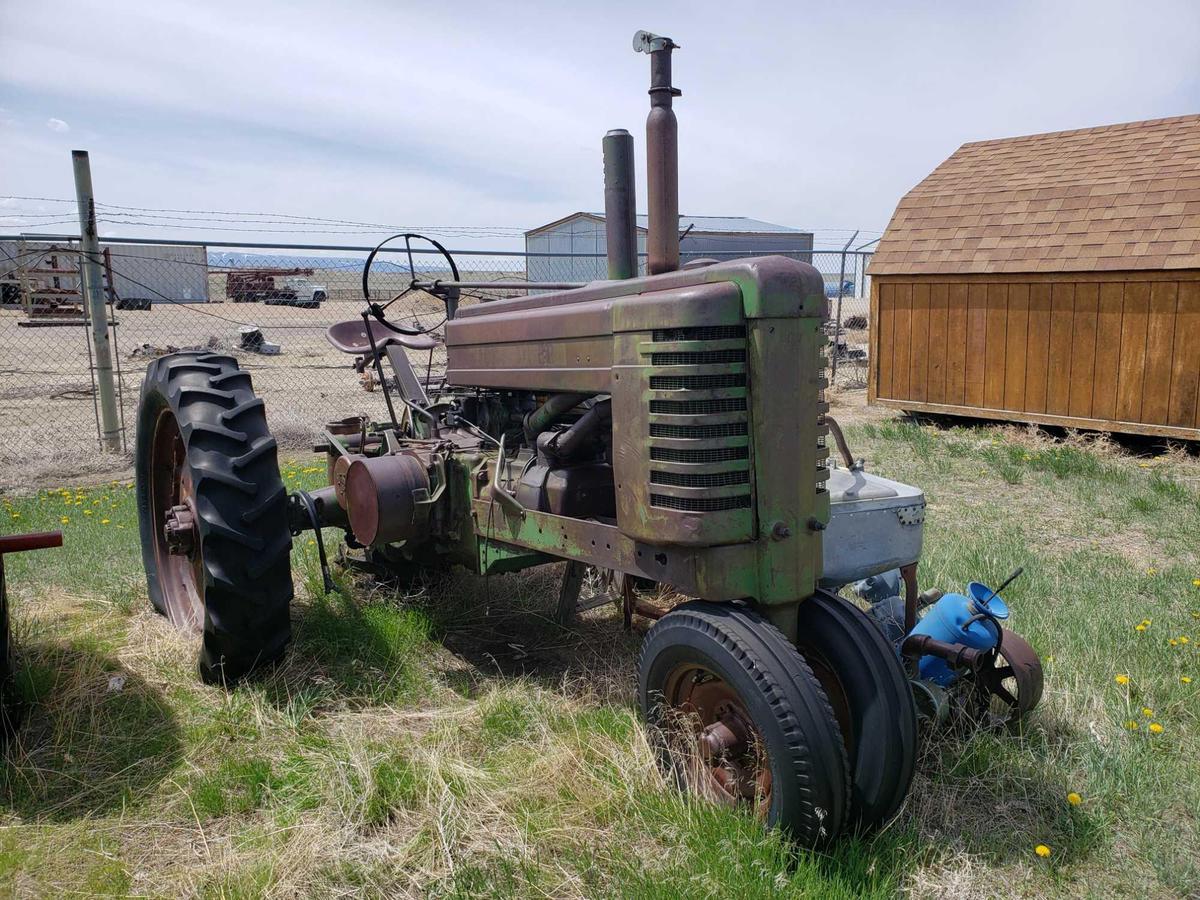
<point>662,156</point>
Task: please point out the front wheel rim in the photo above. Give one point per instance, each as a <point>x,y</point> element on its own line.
<point>171,489</point>
<point>709,729</point>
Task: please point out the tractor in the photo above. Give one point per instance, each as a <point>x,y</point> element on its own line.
<point>667,429</point>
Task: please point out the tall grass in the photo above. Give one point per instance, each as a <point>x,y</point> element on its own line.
<point>453,741</point>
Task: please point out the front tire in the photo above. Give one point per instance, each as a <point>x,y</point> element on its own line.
<point>864,680</point>
<point>739,717</point>
<point>212,512</point>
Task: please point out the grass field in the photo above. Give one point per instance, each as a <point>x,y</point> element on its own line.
<point>455,742</point>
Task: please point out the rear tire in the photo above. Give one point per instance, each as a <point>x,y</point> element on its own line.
<point>203,443</point>
<point>872,701</point>
<point>704,665</point>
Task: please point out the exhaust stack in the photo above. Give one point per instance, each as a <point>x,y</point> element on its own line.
<point>662,156</point>
<point>620,216</point>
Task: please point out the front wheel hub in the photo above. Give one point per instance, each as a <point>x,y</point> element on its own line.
<point>179,529</point>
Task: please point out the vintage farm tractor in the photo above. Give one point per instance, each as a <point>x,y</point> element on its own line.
<point>670,429</point>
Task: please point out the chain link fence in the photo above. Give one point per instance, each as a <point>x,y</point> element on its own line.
<point>270,307</point>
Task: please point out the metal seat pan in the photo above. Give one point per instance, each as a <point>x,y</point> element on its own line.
<point>351,337</point>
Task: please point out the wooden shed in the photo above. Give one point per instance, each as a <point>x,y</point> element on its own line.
<point>1053,278</point>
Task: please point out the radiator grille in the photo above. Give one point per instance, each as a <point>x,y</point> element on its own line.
<point>697,357</point>
<point>700,333</point>
<point>695,382</point>
<point>700,504</point>
<point>707,455</point>
<point>697,432</point>
<point>700,479</point>
<point>698,407</point>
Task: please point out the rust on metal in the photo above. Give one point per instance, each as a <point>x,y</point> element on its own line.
<point>180,574</point>
<point>179,530</point>
<point>959,656</point>
<point>1011,679</point>
<point>662,157</point>
<point>710,727</point>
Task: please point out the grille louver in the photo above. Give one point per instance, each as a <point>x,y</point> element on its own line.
<point>685,446</point>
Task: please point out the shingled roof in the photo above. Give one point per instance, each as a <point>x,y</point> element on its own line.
<point>1120,197</point>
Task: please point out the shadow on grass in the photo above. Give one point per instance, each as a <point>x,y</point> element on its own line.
<point>370,644</point>
<point>94,737</point>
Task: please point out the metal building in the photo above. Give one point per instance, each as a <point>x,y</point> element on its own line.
<point>720,236</point>
<point>154,272</point>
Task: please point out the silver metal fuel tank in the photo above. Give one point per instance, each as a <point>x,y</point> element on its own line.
<point>875,524</point>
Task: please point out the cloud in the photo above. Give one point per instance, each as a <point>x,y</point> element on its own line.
<point>58,125</point>
<point>828,116</point>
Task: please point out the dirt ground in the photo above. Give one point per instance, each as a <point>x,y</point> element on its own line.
<point>47,408</point>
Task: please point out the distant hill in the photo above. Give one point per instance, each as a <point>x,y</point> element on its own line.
<point>220,259</point>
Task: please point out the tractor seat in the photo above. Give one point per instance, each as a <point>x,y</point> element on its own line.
<point>351,337</point>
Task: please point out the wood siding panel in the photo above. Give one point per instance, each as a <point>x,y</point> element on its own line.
<point>902,342</point>
<point>1131,373</point>
<point>1108,350</point>
<point>976,342</point>
<point>1039,348</point>
<point>994,365</point>
<point>956,343</point>
<point>938,349</point>
<point>1083,349</point>
<point>1058,373</point>
<point>918,368</point>
<point>1185,369</point>
<point>1160,341</point>
<point>886,327</point>
<point>1016,346</point>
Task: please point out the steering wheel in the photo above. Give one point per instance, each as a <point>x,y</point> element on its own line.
<point>448,295</point>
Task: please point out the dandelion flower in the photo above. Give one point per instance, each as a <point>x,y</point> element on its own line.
<point>87,512</point>
<point>1152,571</point>
<point>1143,465</point>
<point>1155,728</point>
<point>1140,627</point>
<point>1185,679</point>
<point>1173,642</point>
<point>1196,582</point>
<point>1074,799</point>
<point>1122,679</point>
<point>1042,850</point>
<point>105,521</point>
<point>1049,657</point>
<point>1147,712</point>
<point>1131,725</point>
<point>16,515</point>
<point>64,519</point>
<point>1184,639</point>
<point>1147,622</point>
<point>311,542</point>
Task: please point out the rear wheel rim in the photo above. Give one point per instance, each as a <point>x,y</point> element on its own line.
<point>723,753</point>
<point>180,575</point>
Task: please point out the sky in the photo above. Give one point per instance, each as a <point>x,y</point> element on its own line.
<point>487,115</point>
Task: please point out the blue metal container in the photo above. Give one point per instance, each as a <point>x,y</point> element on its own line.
<point>972,620</point>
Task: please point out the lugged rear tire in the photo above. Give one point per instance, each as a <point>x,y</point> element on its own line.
<point>745,666</point>
<point>867,685</point>
<point>203,441</point>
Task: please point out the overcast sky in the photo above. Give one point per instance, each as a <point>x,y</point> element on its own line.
<point>815,115</point>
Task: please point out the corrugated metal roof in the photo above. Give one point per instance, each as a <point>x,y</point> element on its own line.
<point>1116,197</point>
<point>699,224</point>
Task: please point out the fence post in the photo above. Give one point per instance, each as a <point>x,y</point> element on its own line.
<point>93,287</point>
<point>837,327</point>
